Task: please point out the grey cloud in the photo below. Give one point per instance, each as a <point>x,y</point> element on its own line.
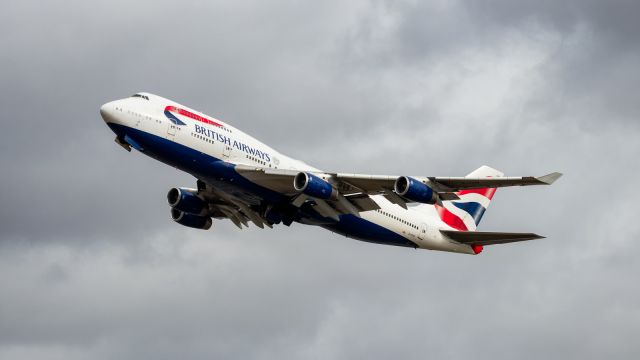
<point>92,266</point>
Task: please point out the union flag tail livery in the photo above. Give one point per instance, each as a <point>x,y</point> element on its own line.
<point>245,181</point>
<point>465,214</point>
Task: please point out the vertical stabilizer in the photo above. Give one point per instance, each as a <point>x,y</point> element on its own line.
<point>465,214</point>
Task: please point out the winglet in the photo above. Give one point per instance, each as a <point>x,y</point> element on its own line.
<point>549,178</point>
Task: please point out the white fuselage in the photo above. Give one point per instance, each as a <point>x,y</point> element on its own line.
<point>147,114</point>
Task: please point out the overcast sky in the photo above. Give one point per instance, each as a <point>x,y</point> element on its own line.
<point>92,267</point>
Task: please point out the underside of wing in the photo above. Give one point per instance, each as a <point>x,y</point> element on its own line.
<point>488,238</point>
<point>279,180</point>
<point>370,184</point>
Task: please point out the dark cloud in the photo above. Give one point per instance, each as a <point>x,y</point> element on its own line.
<point>92,266</point>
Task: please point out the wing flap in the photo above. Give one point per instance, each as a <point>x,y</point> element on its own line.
<point>326,210</point>
<point>487,237</point>
<point>395,199</point>
<point>363,202</point>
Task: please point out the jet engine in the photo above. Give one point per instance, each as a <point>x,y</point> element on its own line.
<point>187,201</point>
<point>313,186</point>
<point>190,220</point>
<point>415,190</point>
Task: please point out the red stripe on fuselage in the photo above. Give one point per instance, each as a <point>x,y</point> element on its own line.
<point>191,115</point>
<point>450,218</point>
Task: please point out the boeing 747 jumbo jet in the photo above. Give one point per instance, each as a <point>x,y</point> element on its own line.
<point>243,180</point>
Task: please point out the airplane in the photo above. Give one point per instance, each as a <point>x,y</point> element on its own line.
<point>242,179</point>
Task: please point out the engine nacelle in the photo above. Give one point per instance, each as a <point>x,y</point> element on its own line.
<point>314,186</point>
<point>190,220</point>
<point>187,200</point>
<point>415,190</point>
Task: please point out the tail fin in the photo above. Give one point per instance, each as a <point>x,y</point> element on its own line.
<point>465,214</point>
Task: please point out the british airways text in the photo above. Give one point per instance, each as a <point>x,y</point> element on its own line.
<point>230,142</point>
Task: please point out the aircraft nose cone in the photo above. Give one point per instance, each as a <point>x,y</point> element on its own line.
<point>107,112</point>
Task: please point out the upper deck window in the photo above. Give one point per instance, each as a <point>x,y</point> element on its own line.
<point>140,96</point>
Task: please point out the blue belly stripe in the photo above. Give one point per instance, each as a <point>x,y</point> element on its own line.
<point>361,229</point>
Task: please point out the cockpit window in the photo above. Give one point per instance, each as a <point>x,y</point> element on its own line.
<point>140,96</point>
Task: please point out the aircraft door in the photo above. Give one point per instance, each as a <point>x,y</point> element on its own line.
<point>171,130</point>
<point>422,231</point>
<point>226,150</point>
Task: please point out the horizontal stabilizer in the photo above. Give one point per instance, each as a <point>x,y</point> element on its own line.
<point>488,238</point>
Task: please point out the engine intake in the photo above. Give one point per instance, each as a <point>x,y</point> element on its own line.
<point>313,186</point>
<point>187,200</point>
<point>190,220</point>
<point>415,190</point>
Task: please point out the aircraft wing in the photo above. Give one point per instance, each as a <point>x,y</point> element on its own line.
<point>280,180</point>
<point>446,187</point>
<point>380,183</point>
<point>464,183</point>
<point>488,238</point>
<point>352,190</point>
